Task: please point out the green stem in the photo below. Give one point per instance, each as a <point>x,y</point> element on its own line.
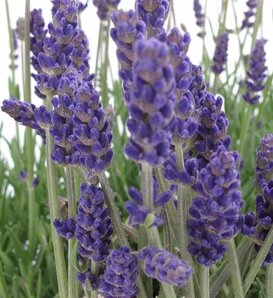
<point>184,202</point>
<point>256,266</point>
<point>4,291</point>
<point>204,281</point>
<point>104,86</point>
<point>72,282</point>
<point>97,55</point>
<point>236,278</point>
<point>29,140</point>
<point>245,126</point>
<point>55,214</point>
<point>147,184</point>
<point>114,213</point>
<point>269,281</point>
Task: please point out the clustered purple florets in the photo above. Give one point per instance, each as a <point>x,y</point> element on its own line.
<point>120,275</point>
<point>164,266</point>
<point>151,105</point>
<point>256,74</point>
<point>105,7</point>
<point>257,224</point>
<point>248,21</point>
<point>215,214</point>
<point>154,14</point>
<point>199,16</point>
<point>220,54</point>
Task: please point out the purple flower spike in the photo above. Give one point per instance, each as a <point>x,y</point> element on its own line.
<point>256,74</point>
<point>105,8</point>
<point>153,13</point>
<point>199,16</point>
<point>151,104</point>
<point>127,30</point>
<point>93,224</point>
<point>65,228</point>
<point>220,54</point>
<point>23,113</point>
<point>164,266</point>
<point>120,275</point>
<point>250,14</point>
<point>257,225</point>
<point>215,214</point>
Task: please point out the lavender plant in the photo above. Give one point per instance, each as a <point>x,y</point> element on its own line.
<point>148,197</point>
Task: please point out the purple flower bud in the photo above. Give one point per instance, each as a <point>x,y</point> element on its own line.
<point>255,81</point>
<point>250,14</point>
<point>151,104</point>
<point>164,266</point>
<point>35,182</point>
<point>120,275</point>
<point>153,13</point>
<point>65,228</point>
<point>220,54</point>
<point>93,224</point>
<point>199,16</point>
<point>105,7</point>
<point>23,175</point>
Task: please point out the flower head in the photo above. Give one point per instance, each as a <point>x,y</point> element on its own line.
<point>220,54</point>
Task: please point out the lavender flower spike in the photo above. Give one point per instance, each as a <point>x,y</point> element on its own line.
<point>199,16</point>
<point>151,105</point>
<point>105,7</point>
<point>120,276</point>
<point>164,266</point>
<point>256,74</point>
<point>250,14</point>
<point>215,213</point>
<point>153,13</point>
<point>220,54</point>
<point>93,224</point>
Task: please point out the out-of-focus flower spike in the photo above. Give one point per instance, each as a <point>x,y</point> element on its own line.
<point>220,54</point>
<point>250,14</point>
<point>105,8</point>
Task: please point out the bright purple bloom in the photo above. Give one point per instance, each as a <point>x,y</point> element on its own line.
<point>120,275</point>
<point>65,228</point>
<point>250,14</point>
<point>256,74</point>
<point>200,16</point>
<point>154,14</point>
<point>220,54</point>
<point>93,224</point>
<point>106,7</point>
<point>215,214</point>
<point>151,105</point>
<point>128,29</point>
<point>164,266</point>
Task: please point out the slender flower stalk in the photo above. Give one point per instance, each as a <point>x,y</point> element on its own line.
<point>204,282</point>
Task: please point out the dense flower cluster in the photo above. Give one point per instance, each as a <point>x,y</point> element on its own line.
<point>154,14</point>
<point>138,211</point>
<point>93,224</point>
<point>105,7</point>
<point>215,214</point>
<point>22,112</point>
<point>220,54</point>
<point>256,73</point>
<point>151,105</point>
<point>164,266</point>
<point>258,224</point>
<point>199,15</point>
<point>120,275</point>
<point>65,228</point>
<point>128,29</point>
<point>56,4</point>
<point>250,14</point>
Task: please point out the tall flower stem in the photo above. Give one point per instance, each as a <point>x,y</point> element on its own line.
<point>147,184</point>
<point>204,281</point>
<point>54,214</point>
<point>99,46</point>
<point>72,282</point>
<point>236,278</point>
<point>104,72</point>
<point>268,281</point>
<point>29,140</point>
<point>184,202</point>
<point>256,266</point>
<point>246,121</point>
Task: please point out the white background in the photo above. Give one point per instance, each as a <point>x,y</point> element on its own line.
<point>90,23</point>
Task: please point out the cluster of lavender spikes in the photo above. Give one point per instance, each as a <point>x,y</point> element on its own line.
<point>250,14</point>
<point>220,54</point>
<point>257,224</point>
<point>256,73</point>
<point>105,8</point>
